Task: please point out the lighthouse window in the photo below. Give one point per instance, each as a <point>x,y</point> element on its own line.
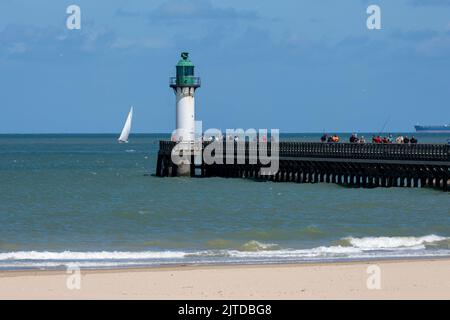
<point>188,71</point>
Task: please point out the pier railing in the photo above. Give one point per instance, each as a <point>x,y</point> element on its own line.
<point>188,82</point>
<point>358,165</point>
<point>369,151</point>
<point>418,152</point>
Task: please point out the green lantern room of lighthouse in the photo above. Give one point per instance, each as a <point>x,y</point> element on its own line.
<point>185,73</point>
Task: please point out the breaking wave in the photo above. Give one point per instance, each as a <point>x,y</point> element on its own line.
<point>101,255</point>
<point>383,243</point>
<point>258,246</point>
<point>249,252</point>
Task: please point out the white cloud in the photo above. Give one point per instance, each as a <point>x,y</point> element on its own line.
<point>16,48</point>
<point>437,47</point>
<point>152,43</point>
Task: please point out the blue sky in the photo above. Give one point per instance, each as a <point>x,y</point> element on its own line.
<point>296,65</point>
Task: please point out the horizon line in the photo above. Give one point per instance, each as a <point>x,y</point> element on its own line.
<point>168,133</point>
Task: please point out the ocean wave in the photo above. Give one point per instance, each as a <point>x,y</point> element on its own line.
<point>250,252</point>
<point>100,255</point>
<point>312,231</point>
<point>386,243</point>
<point>318,252</point>
<point>254,245</point>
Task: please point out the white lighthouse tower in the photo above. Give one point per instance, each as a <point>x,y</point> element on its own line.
<point>184,85</point>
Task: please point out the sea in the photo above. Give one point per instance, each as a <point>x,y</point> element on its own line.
<point>85,200</point>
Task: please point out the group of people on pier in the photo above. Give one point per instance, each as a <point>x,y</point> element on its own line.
<point>390,139</point>
<point>334,138</point>
<point>375,139</point>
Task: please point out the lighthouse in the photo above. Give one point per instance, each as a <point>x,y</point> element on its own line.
<point>184,86</point>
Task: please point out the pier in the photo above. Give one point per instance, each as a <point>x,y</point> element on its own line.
<point>348,164</point>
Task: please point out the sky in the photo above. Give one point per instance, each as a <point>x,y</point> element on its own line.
<point>293,65</point>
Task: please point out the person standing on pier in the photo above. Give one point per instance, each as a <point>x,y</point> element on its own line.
<point>399,140</point>
<point>390,138</point>
<point>354,138</point>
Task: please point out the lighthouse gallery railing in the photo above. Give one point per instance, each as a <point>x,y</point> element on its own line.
<point>369,151</point>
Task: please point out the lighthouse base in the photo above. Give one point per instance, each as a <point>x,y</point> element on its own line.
<point>183,170</point>
<point>168,167</point>
<point>165,168</point>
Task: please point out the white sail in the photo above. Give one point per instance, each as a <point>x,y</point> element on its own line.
<point>126,128</point>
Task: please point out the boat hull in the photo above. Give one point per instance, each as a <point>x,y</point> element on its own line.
<point>433,129</point>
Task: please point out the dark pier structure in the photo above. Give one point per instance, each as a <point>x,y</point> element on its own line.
<point>354,165</point>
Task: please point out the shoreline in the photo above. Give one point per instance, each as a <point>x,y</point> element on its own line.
<point>176,266</point>
<point>400,279</point>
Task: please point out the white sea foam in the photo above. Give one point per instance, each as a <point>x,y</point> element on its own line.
<point>350,248</point>
<point>380,243</point>
<point>292,253</point>
<point>100,255</point>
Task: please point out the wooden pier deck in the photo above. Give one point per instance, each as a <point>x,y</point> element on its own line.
<point>357,165</point>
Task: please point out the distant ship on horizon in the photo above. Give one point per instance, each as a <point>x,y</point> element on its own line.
<point>434,129</point>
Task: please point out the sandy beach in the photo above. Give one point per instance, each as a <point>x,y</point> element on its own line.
<point>416,279</point>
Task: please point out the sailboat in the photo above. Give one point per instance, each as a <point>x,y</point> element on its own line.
<point>126,128</point>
